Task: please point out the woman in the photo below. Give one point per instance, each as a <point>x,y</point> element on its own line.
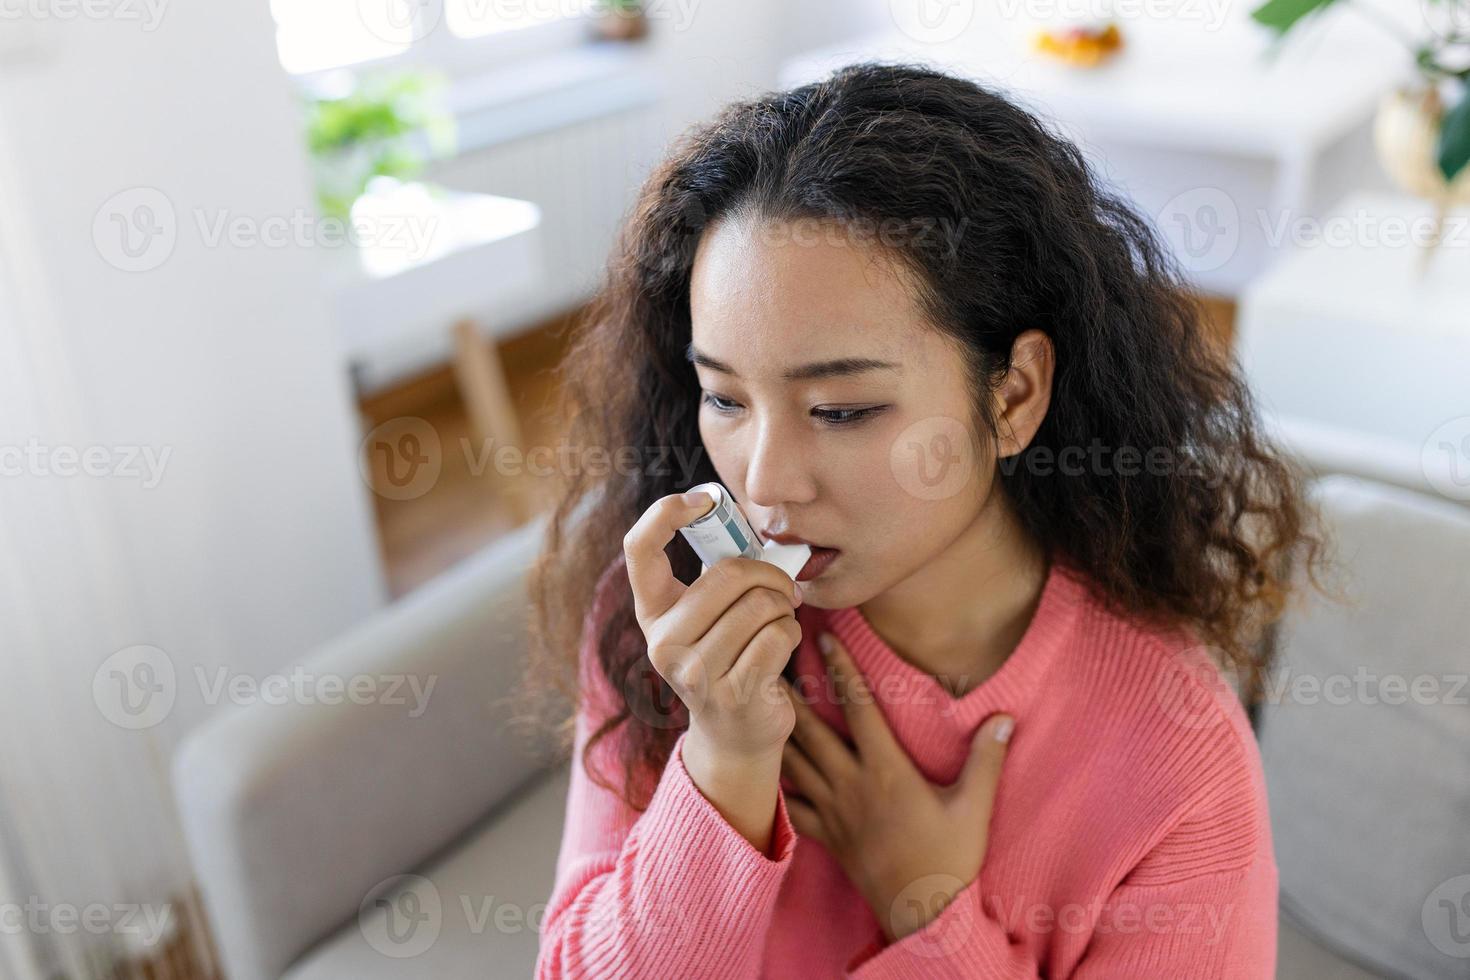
<point>902,322</point>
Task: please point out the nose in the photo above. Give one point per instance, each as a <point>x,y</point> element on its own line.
<point>777,471</point>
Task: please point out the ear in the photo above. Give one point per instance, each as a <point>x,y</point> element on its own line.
<point>1024,396</point>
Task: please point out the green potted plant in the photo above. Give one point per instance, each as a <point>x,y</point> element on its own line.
<point>386,124</point>
<point>621,20</point>
<point>1422,131</point>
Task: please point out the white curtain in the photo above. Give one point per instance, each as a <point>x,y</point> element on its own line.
<point>92,859</point>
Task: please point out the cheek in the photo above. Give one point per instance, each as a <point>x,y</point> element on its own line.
<point>720,450</point>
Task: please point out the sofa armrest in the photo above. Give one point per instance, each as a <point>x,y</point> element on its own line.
<point>294,812</point>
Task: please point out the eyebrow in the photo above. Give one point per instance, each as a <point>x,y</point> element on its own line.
<point>841,367</point>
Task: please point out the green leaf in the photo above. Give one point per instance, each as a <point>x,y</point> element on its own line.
<point>1280,15</point>
<point>1453,151</point>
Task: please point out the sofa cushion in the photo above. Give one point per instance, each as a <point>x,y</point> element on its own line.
<point>475,912</point>
<point>1365,736</point>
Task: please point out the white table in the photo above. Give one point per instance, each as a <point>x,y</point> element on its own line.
<point>425,265</point>
<point>1352,332</point>
<point>1207,135</point>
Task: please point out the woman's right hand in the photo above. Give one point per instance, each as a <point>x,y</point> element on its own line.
<point>720,643</point>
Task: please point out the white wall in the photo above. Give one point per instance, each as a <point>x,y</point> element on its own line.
<point>257,542</point>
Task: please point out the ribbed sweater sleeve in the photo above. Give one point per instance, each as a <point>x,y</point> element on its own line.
<point>1208,926</point>
<point>675,891</point>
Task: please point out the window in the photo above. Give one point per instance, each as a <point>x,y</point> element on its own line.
<point>455,35</point>
<point>478,18</point>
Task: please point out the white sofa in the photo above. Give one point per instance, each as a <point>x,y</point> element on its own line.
<point>298,817</point>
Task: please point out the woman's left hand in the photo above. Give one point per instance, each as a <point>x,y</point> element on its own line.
<point>908,845</point>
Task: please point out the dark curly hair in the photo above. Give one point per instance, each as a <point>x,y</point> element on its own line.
<point>1205,543</point>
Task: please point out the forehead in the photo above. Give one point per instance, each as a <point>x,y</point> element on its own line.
<point>765,294</point>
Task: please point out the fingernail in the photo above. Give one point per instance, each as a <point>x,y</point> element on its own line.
<point>693,497</point>
<point>825,642</point>
<point>1003,730</point>
<point>798,592</point>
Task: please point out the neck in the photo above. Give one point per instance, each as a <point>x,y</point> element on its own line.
<point>962,614</point>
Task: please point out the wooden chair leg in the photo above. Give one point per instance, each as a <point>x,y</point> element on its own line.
<point>481,379</point>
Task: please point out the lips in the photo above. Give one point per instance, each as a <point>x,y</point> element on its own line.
<point>784,538</point>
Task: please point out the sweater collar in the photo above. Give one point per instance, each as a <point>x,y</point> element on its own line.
<point>930,721</point>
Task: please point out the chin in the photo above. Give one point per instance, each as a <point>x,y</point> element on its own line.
<point>834,593</point>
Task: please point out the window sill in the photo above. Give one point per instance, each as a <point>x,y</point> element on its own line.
<point>536,95</point>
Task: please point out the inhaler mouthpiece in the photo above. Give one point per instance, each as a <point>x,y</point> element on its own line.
<point>723,532</point>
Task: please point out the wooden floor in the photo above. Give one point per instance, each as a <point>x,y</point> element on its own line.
<point>463,512</point>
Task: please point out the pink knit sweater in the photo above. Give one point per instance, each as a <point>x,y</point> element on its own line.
<point>1129,837</point>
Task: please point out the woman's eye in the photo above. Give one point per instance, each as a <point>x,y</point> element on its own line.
<point>723,405</point>
<point>829,416</point>
<point>846,416</point>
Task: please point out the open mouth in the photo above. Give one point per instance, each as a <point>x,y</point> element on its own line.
<point>817,564</point>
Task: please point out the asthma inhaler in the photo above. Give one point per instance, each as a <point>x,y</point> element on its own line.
<point>724,532</point>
